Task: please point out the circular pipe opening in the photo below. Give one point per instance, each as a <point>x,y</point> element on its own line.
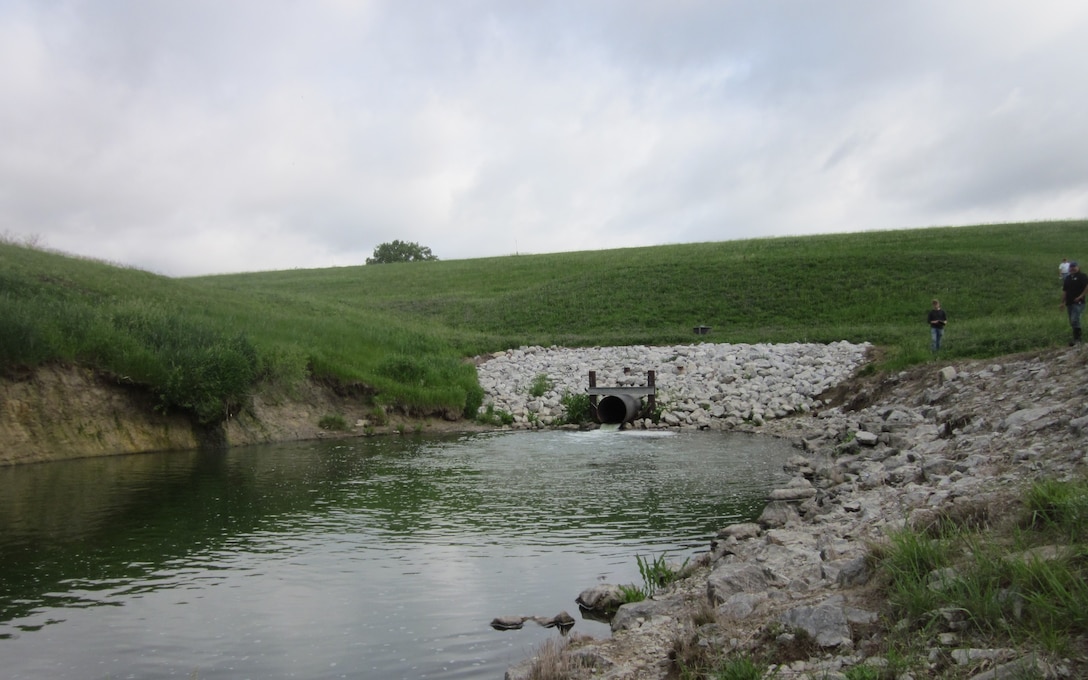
<point>617,409</point>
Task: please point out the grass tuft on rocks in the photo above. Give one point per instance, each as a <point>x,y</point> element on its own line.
<point>1012,575</point>
<point>1023,579</point>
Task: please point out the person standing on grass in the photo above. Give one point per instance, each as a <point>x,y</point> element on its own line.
<point>1073,290</point>
<point>1063,269</point>
<point>937,320</point>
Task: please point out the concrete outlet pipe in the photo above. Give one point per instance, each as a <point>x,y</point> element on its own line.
<point>617,408</point>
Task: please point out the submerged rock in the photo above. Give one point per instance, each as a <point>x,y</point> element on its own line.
<point>509,622</point>
<point>562,621</point>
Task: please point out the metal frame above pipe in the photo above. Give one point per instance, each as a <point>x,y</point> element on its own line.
<point>619,405</point>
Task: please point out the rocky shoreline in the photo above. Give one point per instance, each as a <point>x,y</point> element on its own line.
<point>875,454</point>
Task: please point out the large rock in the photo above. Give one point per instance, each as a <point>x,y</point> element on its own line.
<point>601,598</point>
<point>729,579</point>
<point>826,622</point>
<point>637,614</point>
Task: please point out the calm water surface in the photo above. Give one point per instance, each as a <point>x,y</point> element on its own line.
<point>365,558</point>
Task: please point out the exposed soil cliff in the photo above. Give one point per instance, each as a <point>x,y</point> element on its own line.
<point>61,412</point>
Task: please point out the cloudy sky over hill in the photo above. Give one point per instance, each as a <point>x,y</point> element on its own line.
<point>206,136</point>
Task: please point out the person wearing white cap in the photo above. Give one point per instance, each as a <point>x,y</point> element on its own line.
<point>1073,290</point>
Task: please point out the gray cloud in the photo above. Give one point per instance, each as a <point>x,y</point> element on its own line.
<point>199,137</point>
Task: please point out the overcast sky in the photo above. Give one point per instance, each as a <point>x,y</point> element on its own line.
<point>209,136</point>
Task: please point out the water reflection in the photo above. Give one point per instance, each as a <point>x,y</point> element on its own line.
<point>382,557</point>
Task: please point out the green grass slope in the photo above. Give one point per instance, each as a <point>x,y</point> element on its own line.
<point>400,331</point>
<point>999,284</point>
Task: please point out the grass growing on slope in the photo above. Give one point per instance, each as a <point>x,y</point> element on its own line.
<point>203,351</point>
<point>998,283</point>
<point>400,332</point>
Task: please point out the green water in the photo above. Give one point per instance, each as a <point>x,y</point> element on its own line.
<point>365,558</point>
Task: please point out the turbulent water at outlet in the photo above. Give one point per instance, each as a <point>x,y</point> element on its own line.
<point>363,558</point>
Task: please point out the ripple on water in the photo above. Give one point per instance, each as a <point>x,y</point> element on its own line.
<point>383,557</point>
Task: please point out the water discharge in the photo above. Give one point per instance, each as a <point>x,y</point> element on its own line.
<point>363,558</point>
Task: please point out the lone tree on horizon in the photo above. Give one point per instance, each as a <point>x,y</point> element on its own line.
<point>400,251</point>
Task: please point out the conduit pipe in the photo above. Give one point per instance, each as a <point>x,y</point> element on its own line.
<point>616,409</point>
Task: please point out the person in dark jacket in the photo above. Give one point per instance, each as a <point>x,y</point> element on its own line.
<point>1073,289</point>
<point>937,321</point>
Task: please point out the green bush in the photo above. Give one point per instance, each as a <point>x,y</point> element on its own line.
<point>282,367</point>
<point>430,382</point>
<point>188,366</point>
<point>577,409</point>
<point>407,370</point>
<point>910,558</point>
<point>212,380</point>
<point>378,416</point>
<point>474,398</point>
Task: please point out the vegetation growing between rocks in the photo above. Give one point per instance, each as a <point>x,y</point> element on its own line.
<point>490,416</point>
<point>657,572</point>
<point>576,409</point>
<point>997,576</point>
<point>398,334</point>
<point>1009,584</point>
<point>541,384</point>
<point>631,593</point>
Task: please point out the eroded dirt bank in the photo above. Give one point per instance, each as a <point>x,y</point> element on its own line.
<point>63,412</point>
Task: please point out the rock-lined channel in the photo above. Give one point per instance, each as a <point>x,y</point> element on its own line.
<point>708,386</point>
<point>940,440</point>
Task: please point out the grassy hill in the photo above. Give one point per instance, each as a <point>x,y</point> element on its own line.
<point>399,332</point>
